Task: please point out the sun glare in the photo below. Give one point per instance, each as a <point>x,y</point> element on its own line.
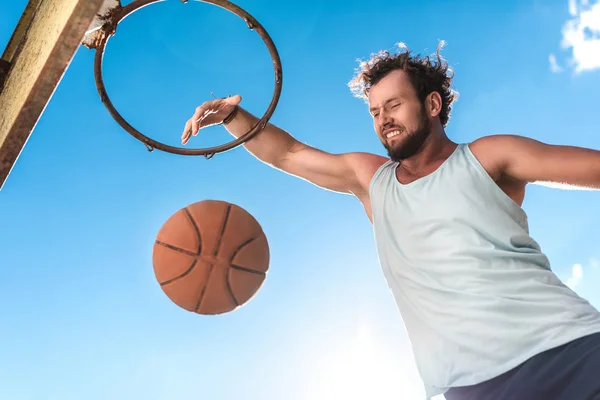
<point>359,368</point>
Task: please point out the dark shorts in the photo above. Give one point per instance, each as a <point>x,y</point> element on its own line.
<point>568,372</point>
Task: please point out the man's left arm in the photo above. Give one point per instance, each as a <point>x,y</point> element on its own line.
<point>531,161</point>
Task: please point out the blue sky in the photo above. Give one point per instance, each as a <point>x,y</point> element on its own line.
<point>82,316</point>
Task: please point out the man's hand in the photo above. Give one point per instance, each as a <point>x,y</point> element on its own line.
<point>210,113</point>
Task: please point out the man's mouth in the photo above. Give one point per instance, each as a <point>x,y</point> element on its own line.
<point>391,134</point>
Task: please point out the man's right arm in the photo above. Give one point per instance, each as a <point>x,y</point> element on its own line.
<point>345,173</point>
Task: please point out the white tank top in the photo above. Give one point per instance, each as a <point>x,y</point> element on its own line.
<point>475,291</point>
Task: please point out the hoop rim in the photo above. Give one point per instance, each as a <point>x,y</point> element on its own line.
<point>109,29</point>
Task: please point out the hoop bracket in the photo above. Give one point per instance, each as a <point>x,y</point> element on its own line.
<point>107,24</point>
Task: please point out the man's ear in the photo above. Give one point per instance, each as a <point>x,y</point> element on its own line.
<point>433,104</point>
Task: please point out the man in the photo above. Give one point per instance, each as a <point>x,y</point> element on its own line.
<point>486,317</point>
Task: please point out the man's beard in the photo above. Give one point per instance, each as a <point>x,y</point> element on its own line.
<point>412,143</point>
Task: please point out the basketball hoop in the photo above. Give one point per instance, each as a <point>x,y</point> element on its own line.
<point>106,26</point>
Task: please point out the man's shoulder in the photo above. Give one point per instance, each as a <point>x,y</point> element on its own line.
<point>366,159</point>
<point>495,142</point>
<point>365,165</point>
<point>492,151</point>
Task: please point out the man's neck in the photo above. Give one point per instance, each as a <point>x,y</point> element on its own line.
<point>436,148</point>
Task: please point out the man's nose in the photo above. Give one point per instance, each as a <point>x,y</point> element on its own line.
<point>385,116</point>
<point>386,120</point>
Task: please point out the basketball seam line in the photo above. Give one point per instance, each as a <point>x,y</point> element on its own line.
<point>230,289</point>
<point>216,253</point>
<point>235,253</point>
<point>195,225</point>
<point>240,247</point>
<point>203,291</point>
<point>182,275</point>
<point>223,226</point>
<point>177,249</point>
<point>250,271</point>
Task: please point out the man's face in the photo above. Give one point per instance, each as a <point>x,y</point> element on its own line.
<point>399,117</point>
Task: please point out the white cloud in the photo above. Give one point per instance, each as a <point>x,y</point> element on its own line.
<point>576,276</point>
<point>594,263</point>
<point>573,7</point>
<point>554,67</point>
<point>581,35</point>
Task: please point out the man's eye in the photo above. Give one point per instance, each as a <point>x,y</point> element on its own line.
<point>396,105</point>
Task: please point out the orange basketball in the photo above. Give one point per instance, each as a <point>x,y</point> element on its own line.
<point>210,257</point>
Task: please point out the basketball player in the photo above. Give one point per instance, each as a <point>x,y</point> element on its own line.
<point>487,318</point>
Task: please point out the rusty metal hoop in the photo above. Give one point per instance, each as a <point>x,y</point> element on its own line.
<point>109,28</point>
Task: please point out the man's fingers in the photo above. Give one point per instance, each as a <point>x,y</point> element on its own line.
<point>196,120</point>
<point>185,136</point>
<point>202,116</point>
<point>206,120</point>
<point>234,100</point>
<point>199,121</point>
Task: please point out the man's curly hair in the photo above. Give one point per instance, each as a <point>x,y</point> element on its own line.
<point>426,75</point>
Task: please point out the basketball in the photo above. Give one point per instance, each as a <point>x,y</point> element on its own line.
<point>210,257</point>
